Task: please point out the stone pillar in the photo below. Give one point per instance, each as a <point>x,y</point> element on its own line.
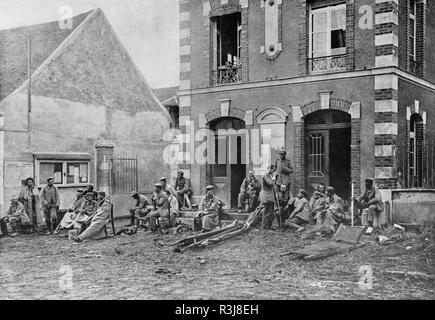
<point>2,147</point>
<point>104,154</point>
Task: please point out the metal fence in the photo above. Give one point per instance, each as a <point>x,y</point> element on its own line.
<point>124,174</point>
<point>415,164</point>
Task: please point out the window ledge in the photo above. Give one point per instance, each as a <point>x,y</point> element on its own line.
<point>62,156</point>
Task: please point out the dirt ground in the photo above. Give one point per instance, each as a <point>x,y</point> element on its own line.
<point>246,267</point>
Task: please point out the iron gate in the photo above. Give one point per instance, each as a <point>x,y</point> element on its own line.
<point>123,175</point>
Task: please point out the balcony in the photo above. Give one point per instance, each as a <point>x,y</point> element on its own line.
<point>327,64</point>
<point>226,74</point>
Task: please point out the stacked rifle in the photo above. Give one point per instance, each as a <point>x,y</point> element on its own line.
<point>202,240</point>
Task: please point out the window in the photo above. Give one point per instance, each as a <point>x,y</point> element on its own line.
<point>65,170</point>
<point>272,136</point>
<point>328,38</point>
<point>416,151</point>
<point>226,48</point>
<point>412,29</point>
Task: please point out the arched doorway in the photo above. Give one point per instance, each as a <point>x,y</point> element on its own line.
<point>327,150</point>
<point>228,164</point>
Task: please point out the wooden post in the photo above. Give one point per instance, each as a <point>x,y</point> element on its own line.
<point>351,202</point>
<point>29,89</point>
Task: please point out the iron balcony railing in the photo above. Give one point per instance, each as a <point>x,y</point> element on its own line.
<point>327,63</point>
<point>226,74</point>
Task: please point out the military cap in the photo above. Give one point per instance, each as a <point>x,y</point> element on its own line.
<point>133,193</point>
<point>303,192</point>
<point>282,150</point>
<point>79,191</point>
<point>180,171</point>
<point>209,187</point>
<point>330,189</point>
<point>158,185</point>
<point>163,179</point>
<point>369,180</point>
<point>89,193</point>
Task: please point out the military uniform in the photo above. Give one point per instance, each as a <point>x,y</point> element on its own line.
<point>98,221</point>
<point>284,169</point>
<point>211,206</point>
<point>161,205</point>
<point>249,191</point>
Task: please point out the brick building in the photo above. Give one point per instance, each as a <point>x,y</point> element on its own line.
<point>341,84</point>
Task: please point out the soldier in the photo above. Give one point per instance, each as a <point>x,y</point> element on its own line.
<point>301,214</point>
<point>98,220</point>
<point>183,190</point>
<point>14,216</point>
<point>141,209</point>
<point>167,186</point>
<point>50,199</point>
<point>333,214</point>
<point>249,191</point>
<point>370,201</point>
<point>267,196</point>
<point>160,202</point>
<point>210,208</point>
<point>29,197</point>
<point>67,221</point>
<point>86,211</point>
<point>283,169</point>
<point>318,201</point>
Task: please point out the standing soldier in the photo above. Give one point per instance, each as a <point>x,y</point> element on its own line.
<point>29,197</point>
<point>50,204</point>
<point>267,196</point>
<point>283,169</point>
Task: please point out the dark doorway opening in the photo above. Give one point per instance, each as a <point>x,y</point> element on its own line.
<point>229,168</point>
<point>327,151</point>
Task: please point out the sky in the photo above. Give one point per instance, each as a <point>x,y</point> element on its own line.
<point>147,28</point>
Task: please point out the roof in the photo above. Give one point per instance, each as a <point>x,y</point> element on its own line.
<point>46,37</point>
<point>86,64</point>
<point>167,96</point>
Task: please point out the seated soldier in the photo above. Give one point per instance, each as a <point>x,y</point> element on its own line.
<point>318,201</point>
<point>210,208</point>
<point>86,211</point>
<point>141,209</point>
<point>67,221</point>
<point>15,215</point>
<point>333,214</point>
<point>249,192</point>
<point>183,191</point>
<point>160,203</point>
<point>286,202</point>
<point>168,220</point>
<point>98,220</point>
<point>370,202</point>
<point>301,214</point>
